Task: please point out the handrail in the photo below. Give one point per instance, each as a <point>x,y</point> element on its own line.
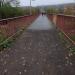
<point>14,18</point>
<point>63,15</point>
<point>5,21</point>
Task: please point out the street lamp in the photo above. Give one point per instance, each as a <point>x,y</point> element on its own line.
<point>31,6</point>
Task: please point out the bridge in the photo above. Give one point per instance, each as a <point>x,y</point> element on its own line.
<point>42,46</point>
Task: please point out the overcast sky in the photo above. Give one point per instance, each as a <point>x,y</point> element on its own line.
<point>44,2</point>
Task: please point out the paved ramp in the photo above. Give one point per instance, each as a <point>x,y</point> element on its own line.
<point>38,51</point>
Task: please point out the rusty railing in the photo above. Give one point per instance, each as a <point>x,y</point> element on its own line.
<point>11,25</point>
<point>66,23</point>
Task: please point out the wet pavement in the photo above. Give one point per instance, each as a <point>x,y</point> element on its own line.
<point>38,51</point>
<point>42,23</point>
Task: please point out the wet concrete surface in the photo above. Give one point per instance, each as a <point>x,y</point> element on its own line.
<point>42,23</point>
<point>36,52</point>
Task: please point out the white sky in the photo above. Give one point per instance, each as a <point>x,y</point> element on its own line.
<point>44,2</point>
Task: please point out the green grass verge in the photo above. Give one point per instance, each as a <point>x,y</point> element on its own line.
<point>6,43</point>
<point>69,46</point>
<point>72,37</point>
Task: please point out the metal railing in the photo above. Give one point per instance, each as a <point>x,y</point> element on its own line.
<point>5,21</point>
<point>65,22</point>
<point>10,26</point>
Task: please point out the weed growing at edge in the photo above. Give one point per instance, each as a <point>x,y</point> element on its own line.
<point>6,43</point>
<point>67,43</point>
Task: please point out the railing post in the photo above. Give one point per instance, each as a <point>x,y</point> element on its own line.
<point>55,19</point>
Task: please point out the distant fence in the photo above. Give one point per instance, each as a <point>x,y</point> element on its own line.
<point>11,25</point>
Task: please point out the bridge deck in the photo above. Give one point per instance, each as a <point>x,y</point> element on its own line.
<point>38,51</point>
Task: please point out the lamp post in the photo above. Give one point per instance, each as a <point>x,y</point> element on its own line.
<point>31,6</point>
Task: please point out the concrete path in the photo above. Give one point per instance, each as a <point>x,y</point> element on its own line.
<point>38,51</point>
<point>42,23</point>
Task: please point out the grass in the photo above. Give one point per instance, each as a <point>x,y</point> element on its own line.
<point>72,50</point>
<point>6,43</point>
<point>69,46</point>
<point>73,37</point>
<point>2,38</point>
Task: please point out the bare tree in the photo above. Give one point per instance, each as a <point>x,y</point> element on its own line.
<point>1,3</point>
<point>12,2</point>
